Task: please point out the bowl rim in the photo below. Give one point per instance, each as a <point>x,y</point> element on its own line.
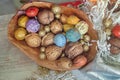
<point>34,54</point>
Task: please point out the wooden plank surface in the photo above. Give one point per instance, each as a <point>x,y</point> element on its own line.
<point>14,65</point>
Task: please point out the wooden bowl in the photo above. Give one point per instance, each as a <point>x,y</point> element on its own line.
<point>33,53</point>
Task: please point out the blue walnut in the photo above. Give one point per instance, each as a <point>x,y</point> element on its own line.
<point>60,40</point>
<point>73,35</point>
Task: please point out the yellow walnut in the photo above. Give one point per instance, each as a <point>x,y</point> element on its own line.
<point>66,27</point>
<point>22,21</point>
<point>73,20</point>
<point>20,33</point>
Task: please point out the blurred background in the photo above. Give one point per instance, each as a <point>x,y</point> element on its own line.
<point>10,6</point>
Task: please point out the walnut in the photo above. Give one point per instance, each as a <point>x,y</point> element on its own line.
<point>45,16</point>
<point>53,52</point>
<point>73,49</point>
<point>56,26</point>
<point>64,62</point>
<point>47,39</point>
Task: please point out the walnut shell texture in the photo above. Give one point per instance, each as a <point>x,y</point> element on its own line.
<point>73,49</point>
<point>114,50</point>
<point>45,16</point>
<point>115,42</point>
<point>64,63</point>
<point>56,26</point>
<point>47,39</point>
<point>33,40</point>
<point>53,52</point>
